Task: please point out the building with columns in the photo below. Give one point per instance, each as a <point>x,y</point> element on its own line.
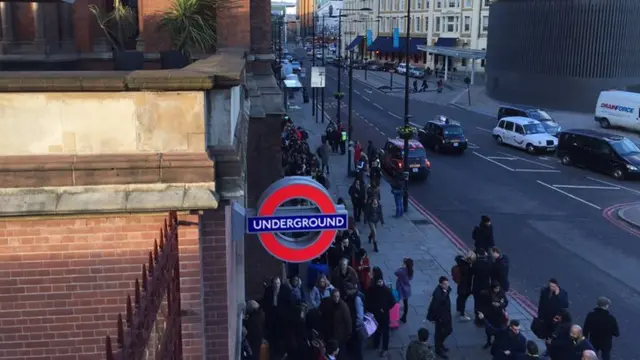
<point>450,23</point>
<point>356,25</point>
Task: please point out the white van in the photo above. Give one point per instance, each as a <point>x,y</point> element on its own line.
<point>402,68</point>
<point>618,108</point>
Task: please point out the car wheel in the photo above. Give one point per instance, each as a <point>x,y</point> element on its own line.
<point>530,149</point>
<point>499,140</point>
<point>604,123</point>
<point>566,160</point>
<point>617,174</point>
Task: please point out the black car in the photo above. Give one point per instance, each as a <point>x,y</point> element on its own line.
<point>388,66</point>
<point>373,67</point>
<point>550,125</point>
<point>443,134</point>
<point>392,157</point>
<point>600,151</point>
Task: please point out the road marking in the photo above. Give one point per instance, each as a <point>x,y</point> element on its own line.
<point>356,91</point>
<point>612,184</point>
<point>493,161</point>
<point>472,145</point>
<point>549,158</point>
<point>586,187</point>
<point>485,130</point>
<point>325,113</point>
<point>378,106</point>
<point>369,91</point>
<point>414,124</point>
<point>366,98</point>
<point>394,115</point>
<point>537,170</point>
<point>569,195</point>
<point>529,161</point>
<point>501,158</point>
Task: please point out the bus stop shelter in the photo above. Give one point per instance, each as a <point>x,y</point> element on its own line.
<point>448,52</point>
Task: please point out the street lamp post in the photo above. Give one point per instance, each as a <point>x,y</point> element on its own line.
<point>405,197</point>
<point>349,128</point>
<point>314,111</point>
<point>322,93</point>
<point>367,46</point>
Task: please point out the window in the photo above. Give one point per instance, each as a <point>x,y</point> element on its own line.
<point>389,24</point>
<point>487,2</point>
<point>419,4</point>
<point>519,129</point>
<point>534,129</point>
<point>417,21</point>
<point>467,24</point>
<point>438,4</point>
<point>467,3</point>
<point>427,5</point>
<point>426,24</point>
<point>395,4</point>
<point>485,23</point>
<point>501,124</point>
<point>453,3</point>
<point>625,147</point>
<point>437,24</point>
<point>508,126</point>
<point>387,4</point>
<point>402,6</point>
<point>384,24</point>
<point>453,130</point>
<point>452,24</point>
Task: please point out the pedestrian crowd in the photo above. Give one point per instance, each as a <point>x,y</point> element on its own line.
<point>346,301</point>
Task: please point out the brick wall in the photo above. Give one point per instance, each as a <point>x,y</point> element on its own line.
<point>63,282</point>
<point>149,14</point>
<point>264,166</point>
<point>23,22</point>
<point>233,24</point>
<point>261,26</point>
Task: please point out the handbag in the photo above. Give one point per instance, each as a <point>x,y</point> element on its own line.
<point>370,325</point>
<point>538,328</point>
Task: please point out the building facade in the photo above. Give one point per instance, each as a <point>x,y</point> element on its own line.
<point>452,23</point>
<point>329,11</point>
<point>541,50</point>
<point>359,26</point>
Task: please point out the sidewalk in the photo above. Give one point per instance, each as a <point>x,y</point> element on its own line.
<point>416,236</point>
<point>630,214</point>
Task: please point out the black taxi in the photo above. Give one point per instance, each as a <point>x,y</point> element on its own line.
<point>443,134</point>
<point>392,157</point>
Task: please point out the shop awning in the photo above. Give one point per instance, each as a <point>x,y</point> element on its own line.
<point>446,42</point>
<point>385,44</point>
<point>357,41</point>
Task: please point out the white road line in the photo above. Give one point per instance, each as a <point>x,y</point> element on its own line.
<point>493,161</point>
<point>378,106</point>
<point>356,91</point>
<point>394,115</point>
<point>569,195</point>
<point>366,98</point>
<point>369,91</point>
<point>612,184</point>
<point>485,130</point>
<point>549,158</point>
<point>472,145</point>
<point>537,170</point>
<point>586,187</point>
<point>414,124</point>
<point>527,160</point>
<point>501,158</point>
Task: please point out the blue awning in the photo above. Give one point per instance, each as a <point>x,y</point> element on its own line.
<point>385,44</point>
<point>356,41</point>
<point>446,42</point>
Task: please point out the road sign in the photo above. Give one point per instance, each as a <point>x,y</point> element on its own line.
<point>318,76</point>
<point>396,38</point>
<point>273,221</point>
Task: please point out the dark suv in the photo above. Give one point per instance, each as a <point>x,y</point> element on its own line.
<point>388,66</point>
<point>443,134</point>
<point>550,125</point>
<point>600,151</point>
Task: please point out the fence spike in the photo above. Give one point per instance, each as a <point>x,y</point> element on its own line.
<point>144,277</point>
<point>166,228</point>
<point>155,250</point>
<point>150,264</point>
<point>137,294</point>
<point>161,245</point>
<point>109,349</point>
<point>120,332</point>
<point>129,313</point>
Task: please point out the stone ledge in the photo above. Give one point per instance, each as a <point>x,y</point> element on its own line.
<point>107,199</point>
<point>115,169</point>
<point>221,70</point>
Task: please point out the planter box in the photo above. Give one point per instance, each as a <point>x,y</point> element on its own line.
<point>174,60</point>
<point>128,60</point>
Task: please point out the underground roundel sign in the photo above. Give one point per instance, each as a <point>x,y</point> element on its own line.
<point>296,219</point>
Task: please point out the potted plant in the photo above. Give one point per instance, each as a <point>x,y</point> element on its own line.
<point>406,131</point>
<point>119,26</point>
<point>338,95</point>
<point>191,24</point>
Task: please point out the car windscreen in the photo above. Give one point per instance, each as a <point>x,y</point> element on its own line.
<point>295,63</point>
<point>625,147</point>
<point>453,131</point>
<point>416,153</point>
<point>540,115</point>
<point>530,129</point>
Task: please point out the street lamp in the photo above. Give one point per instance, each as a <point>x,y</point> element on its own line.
<point>314,101</point>
<point>405,197</point>
<point>349,127</point>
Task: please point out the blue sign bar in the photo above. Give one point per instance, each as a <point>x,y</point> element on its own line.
<point>369,37</point>
<point>396,38</point>
<point>296,223</point>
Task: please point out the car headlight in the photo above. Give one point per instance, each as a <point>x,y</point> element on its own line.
<point>632,168</point>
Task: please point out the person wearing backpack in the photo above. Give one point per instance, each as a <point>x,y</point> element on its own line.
<point>461,275</point>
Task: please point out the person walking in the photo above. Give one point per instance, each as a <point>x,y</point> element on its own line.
<point>600,327</point>
<point>552,301</point>
<point>404,276</point>
<point>439,313</point>
<point>358,194</point>
<point>397,189</point>
<point>373,216</point>
<point>379,302</point>
<point>323,153</point>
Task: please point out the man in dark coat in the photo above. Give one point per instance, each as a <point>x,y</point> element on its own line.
<point>372,152</point>
<point>464,285</point>
<point>579,342</point>
<point>254,323</point>
<point>481,271</point>
<point>342,274</point>
<point>483,234</point>
<point>336,319</point>
<point>559,343</point>
<point>509,342</point>
<point>278,307</point>
<point>358,194</point>
<point>439,313</point>
<point>600,327</point>
<point>500,268</point>
<point>552,301</point>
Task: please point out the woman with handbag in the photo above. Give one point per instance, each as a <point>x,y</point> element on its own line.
<point>379,302</point>
<point>404,276</point>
